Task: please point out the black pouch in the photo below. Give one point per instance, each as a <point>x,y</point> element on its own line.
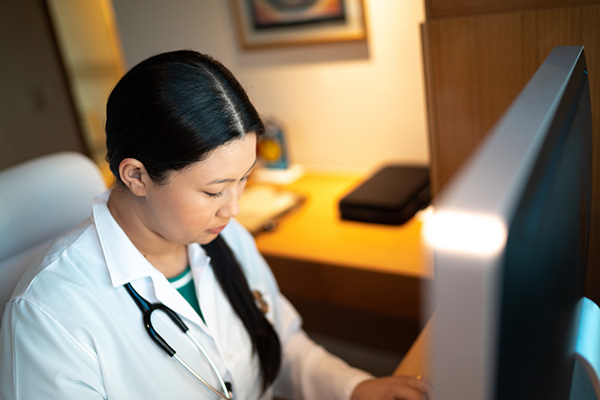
<point>391,196</point>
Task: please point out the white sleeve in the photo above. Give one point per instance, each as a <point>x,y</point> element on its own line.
<point>40,360</point>
<point>310,372</point>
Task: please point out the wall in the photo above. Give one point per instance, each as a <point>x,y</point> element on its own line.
<point>345,105</point>
<point>92,59</point>
<point>37,114</point>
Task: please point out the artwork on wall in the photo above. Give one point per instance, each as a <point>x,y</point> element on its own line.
<point>266,23</point>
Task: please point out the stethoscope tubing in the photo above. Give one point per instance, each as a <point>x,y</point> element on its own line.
<point>204,382</point>
<point>147,308</point>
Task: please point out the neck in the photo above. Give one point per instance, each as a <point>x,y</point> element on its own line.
<point>168,257</point>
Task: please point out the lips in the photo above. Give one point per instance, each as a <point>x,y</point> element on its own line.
<point>218,230</point>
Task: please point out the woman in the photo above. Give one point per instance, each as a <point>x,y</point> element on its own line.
<point>181,138</point>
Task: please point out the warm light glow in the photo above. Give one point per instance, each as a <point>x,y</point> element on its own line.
<point>465,232</point>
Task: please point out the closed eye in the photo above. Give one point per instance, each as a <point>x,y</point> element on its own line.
<point>243,180</point>
<point>219,194</point>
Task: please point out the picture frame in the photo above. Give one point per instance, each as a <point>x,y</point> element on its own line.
<point>271,23</point>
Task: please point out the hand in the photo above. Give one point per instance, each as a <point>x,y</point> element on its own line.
<point>392,388</point>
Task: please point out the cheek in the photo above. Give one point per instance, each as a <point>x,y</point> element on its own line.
<point>193,214</point>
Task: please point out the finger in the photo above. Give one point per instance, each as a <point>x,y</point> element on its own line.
<point>409,393</point>
<point>420,384</point>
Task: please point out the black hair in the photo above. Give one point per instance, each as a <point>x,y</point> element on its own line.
<point>173,110</point>
<point>232,280</point>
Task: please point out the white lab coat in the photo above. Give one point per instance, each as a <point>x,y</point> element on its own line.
<point>71,331</point>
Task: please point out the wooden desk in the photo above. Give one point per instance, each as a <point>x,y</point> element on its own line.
<point>417,360</point>
<point>362,271</point>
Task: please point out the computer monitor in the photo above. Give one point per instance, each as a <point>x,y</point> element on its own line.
<point>509,238</point>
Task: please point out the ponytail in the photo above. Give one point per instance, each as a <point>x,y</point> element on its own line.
<point>233,282</point>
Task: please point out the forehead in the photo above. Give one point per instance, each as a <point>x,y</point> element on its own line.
<point>229,161</point>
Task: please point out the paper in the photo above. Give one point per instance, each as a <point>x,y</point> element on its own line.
<point>261,205</point>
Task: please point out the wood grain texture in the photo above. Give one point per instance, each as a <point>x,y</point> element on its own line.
<point>454,8</point>
<point>476,65</point>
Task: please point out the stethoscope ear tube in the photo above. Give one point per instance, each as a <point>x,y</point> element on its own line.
<point>147,308</point>
<point>154,335</point>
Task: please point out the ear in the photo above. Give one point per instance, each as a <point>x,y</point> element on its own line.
<point>134,175</point>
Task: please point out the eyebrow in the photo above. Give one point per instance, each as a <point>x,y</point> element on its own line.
<point>216,181</point>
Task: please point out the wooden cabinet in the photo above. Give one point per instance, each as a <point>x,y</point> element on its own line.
<point>478,55</point>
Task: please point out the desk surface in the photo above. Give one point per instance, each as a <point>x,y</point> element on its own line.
<point>315,233</point>
<point>361,282</point>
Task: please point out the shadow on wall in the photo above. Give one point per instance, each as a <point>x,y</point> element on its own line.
<point>304,54</point>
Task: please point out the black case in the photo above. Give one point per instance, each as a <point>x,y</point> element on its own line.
<point>391,196</point>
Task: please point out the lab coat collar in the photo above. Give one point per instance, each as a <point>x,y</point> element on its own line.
<point>126,264</point>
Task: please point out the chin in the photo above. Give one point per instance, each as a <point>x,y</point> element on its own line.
<point>206,239</point>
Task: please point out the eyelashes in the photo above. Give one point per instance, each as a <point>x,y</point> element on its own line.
<point>214,194</point>
<point>219,194</point>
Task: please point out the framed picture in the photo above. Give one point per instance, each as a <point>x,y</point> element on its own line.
<point>266,23</point>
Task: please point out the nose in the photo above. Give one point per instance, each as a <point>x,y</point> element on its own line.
<point>231,207</point>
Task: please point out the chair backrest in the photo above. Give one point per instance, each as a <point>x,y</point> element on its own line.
<point>39,200</point>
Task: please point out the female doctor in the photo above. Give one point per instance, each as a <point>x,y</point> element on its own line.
<point>181,138</point>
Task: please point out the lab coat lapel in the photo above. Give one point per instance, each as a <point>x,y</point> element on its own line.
<point>229,334</point>
<point>169,296</point>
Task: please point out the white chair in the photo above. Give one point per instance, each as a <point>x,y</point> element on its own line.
<point>39,200</point>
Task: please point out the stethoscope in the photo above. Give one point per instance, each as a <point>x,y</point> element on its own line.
<point>147,308</point>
